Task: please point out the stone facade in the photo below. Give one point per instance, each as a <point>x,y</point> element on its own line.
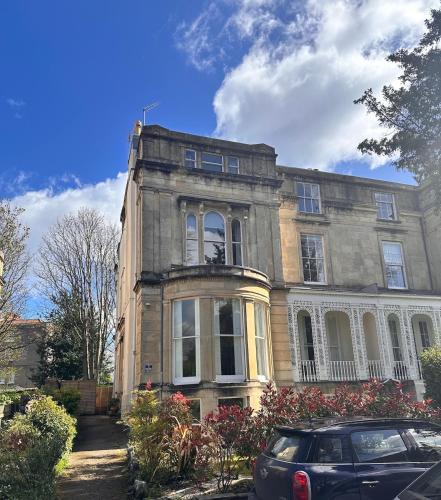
<point>234,271</point>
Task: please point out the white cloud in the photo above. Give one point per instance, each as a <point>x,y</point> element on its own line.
<point>15,103</point>
<point>305,64</point>
<point>43,207</point>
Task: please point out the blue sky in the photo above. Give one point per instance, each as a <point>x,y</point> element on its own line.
<point>76,75</point>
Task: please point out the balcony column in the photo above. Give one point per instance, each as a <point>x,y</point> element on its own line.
<point>409,342</point>
<point>385,343</point>
<point>358,343</point>
<point>320,342</point>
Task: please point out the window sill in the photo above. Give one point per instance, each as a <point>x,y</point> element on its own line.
<point>315,283</point>
<point>263,378</point>
<point>187,381</point>
<point>225,379</point>
<point>397,288</point>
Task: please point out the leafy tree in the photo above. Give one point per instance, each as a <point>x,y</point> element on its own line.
<point>14,266</point>
<point>431,365</point>
<point>59,347</point>
<point>413,110</point>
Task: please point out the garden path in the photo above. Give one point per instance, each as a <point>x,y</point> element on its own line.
<point>97,467</point>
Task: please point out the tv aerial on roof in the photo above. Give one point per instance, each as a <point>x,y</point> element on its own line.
<point>146,109</point>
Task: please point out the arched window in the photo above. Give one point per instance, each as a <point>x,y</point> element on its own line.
<point>214,238</point>
<point>236,241</point>
<point>191,241</point>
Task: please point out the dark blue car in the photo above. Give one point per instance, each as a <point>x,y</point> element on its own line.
<point>359,460</point>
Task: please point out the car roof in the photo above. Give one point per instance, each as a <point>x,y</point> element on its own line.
<point>345,426</point>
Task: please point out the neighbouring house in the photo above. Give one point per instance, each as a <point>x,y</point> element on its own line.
<point>234,271</point>
<point>25,366</point>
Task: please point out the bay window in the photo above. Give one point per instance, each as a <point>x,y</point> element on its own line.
<point>228,331</point>
<point>186,346</point>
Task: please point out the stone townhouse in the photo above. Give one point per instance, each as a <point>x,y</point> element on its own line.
<point>234,271</point>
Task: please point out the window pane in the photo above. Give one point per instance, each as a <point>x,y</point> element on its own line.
<point>225,317</point>
<point>214,253</point>
<point>261,351</point>
<point>230,402</point>
<point>227,357</point>
<point>233,165</point>
<point>190,154</point>
<point>195,408</point>
<point>384,446</point>
<point>302,205</point>
<point>392,253</point>
<point>333,450</point>
<point>212,162</point>
<point>428,444</point>
<point>191,226</point>
<point>284,447</point>
<point>214,227</point>
<point>191,257</point>
<point>395,277</point>
<point>189,357</point>
<point>235,231</point>
<point>237,254</point>
<point>300,189</point>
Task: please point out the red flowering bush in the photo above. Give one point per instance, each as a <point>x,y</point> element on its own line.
<point>230,429</point>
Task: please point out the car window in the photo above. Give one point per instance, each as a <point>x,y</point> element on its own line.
<point>382,445</point>
<point>284,447</point>
<point>428,443</point>
<point>333,450</point>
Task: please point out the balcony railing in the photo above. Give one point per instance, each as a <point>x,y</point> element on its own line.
<point>401,372</point>
<point>342,371</point>
<point>308,371</point>
<point>375,368</point>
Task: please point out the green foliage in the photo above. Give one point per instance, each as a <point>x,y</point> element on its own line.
<point>165,442</point>
<point>60,348</point>
<point>412,111</point>
<point>31,448</point>
<point>67,397</point>
<point>431,365</point>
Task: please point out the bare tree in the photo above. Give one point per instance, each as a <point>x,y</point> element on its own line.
<point>14,265</point>
<point>77,259</point>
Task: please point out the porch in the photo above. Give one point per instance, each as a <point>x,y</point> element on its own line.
<point>348,342</point>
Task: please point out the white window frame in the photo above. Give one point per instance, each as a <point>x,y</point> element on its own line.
<point>262,377</point>
<point>403,265</point>
<point>192,238</point>
<point>228,378</point>
<point>308,197</point>
<point>195,161</point>
<point>379,202</point>
<point>228,164</point>
<point>213,163</point>
<point>310,235</point>
<point>197,378</point>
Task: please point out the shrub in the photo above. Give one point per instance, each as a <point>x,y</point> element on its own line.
<point>31,448</point>
<point>68,397</point>
<point>431,365</point>
<point>230,429</point>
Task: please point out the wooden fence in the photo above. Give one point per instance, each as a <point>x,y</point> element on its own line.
<point>102,399</point>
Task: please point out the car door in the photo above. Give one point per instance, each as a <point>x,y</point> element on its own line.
<point>331,470</point>
<point>425,444</point>
<point>382,463</point>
